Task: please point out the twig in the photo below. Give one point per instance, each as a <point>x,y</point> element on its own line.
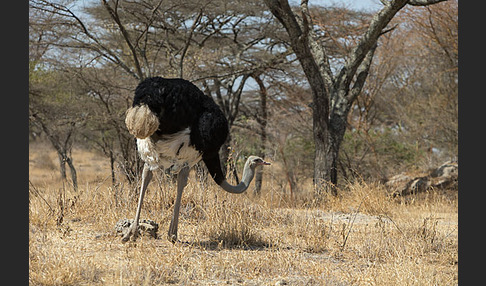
<point>351,226</point>
<point>388,217</point>
<point>37,193</point>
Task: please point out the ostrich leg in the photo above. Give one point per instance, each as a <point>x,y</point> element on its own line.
<point>133,230</point>
<point>181,183</point>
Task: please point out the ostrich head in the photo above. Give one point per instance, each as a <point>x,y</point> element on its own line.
<point>255,161</point>
<point>248,173</point>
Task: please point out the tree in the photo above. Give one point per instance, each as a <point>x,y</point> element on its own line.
<point>262,119</point>
<point>333,93</point>
<point>108,46</point>
<point>50,110</point>
<point>429,114</point>
<point>406,115</point>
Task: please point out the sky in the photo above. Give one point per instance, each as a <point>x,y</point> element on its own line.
<point>371,5</point>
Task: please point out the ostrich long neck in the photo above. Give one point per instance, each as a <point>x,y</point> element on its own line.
<point>248,174</point>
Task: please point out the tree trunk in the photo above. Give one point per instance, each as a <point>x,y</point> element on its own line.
<point>63,159</point>
<point>62,166</point>
<point>299,39</point>
<point>228,158</point>
<point>322,174</point>
<point>336,135</point>
<point>63,149</point>
<point>112,167</point>
<point>262,121</point>
<point>74,176</point>
<point>289,174</point>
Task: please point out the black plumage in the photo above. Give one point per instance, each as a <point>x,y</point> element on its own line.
<point>180,104</point>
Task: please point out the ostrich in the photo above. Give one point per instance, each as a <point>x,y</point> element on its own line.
<point>176,125</point>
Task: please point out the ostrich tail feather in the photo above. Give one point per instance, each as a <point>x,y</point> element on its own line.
<point>141,121</point>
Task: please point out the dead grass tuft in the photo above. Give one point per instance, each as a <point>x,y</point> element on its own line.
<point>233,224</point>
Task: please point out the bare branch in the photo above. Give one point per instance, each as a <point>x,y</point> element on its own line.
<point>188,42</point>
<point>114,15</point>
<point>143,50</point>
<point>317,48</point>
<point>362,72</point>
<point>389,30</point>
<point>95,45</point>
<point>299,42</point>
<point>378,23</point>
<point>424,2</point>
<point>237,94</point>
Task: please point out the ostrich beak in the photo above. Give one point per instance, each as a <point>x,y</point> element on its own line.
<point>265,163</point>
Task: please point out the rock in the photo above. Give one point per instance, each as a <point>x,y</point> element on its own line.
<point>448,169</point>
<point>145,226</point>
<point>398,183</point>
<point>446,176</point>
<point>417,185</point>
<point>443,177</point>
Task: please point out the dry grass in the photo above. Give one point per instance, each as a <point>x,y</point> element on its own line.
<point>362,237</point>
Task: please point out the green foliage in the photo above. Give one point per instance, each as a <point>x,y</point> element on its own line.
<point>299,150</point>
<point>388,143</point>
<point>378,152</point>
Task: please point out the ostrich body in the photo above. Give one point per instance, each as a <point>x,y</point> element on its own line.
<point>176,125</point>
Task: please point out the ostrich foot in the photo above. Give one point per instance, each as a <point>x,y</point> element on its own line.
<point>132,232</point>
<point>172,234</point>
<point>127,229</point>
<point>172,238</point>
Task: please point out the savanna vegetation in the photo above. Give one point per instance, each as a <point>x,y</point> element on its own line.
<point>362,237</point>
<point>306,220</point>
